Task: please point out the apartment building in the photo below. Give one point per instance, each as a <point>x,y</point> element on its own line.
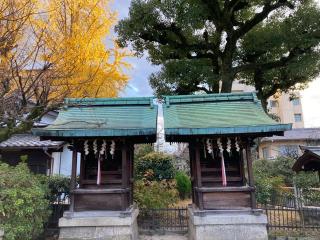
<point>287,110</point>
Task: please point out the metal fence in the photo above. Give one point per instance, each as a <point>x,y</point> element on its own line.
<point>286,214</point>
<point>289,215</point>
<point>287,219</point>
<point>163,220</point>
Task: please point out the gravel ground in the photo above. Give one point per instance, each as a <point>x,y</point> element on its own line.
<point>164,237</point>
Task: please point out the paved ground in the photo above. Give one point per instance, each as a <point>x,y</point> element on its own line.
<point>164,237</point>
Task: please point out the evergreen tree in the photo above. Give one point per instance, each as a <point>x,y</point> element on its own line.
<point>271,44</point>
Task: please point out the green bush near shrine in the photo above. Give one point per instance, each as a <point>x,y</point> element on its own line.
<point>155,194</point>
<point>59,186</point>
<point>24,206</point>
<point>271,176</point>
<point>159,163</point>
<point>154,185</point>
<point>183,185</point>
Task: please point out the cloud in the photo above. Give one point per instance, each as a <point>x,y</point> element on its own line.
<point>133,87</point>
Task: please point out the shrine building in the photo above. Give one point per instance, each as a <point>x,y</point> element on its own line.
<point>220,130</point>
<point>104,132</point>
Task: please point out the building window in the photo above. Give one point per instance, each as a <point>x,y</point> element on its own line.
<point>298,117</point>
<point>273,103</point>
<point>265,153</point>
<point>296,102</point>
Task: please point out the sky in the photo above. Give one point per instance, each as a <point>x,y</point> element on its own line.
<point>142,68</point>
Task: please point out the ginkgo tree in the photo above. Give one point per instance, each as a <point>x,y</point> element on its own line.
<point>58,49</point>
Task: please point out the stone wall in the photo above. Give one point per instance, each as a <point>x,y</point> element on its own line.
<point>311,215</point>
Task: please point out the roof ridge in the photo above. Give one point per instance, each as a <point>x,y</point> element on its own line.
<point>182,99</point>
<point>69,102</point>
<point>210,94</point>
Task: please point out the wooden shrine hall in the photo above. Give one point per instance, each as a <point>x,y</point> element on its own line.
<point>103,132</point>
<point>220,129</point>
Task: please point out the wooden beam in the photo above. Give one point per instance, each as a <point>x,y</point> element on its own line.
<point>82,171</point>
<point>198,165</point>
<point>73,178</point>
<point>131,173</point>
<point>192,173</point>
<point>250,174</point>
<point>124,174</point>
<point>198,174</point>
<point>242,172</point>
<point>124,167</point>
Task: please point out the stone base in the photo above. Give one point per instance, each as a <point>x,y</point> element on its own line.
<point>102,225</point>
<point>227,225</point>
<point>311,215</point>
<point>1,234</point>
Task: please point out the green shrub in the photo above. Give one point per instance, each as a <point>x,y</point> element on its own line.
<point>23,205</point>
<point>58,185</point>
<point>155,194</point>
<point>268,187</point>
<point>142,150</point>
<point>183,185</point>
<point>307,180</point>
<point>159,163</point>
<point>282,166</point>
<point>271,175</point>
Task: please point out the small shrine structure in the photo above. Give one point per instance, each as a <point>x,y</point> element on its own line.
<point>103,132</point>
<point>309,161</point>
<point>220,129</point>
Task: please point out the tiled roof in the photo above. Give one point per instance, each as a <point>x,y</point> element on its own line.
<point>104,117</point>
<point>309,161</point>
<point>296,134</point>
<point>216,114</point>
<point>28,141</point>
<point>314,149</point>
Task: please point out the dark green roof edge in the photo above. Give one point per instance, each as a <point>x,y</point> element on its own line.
<point>228,130</point>
<point>182,99</point>
<point>109,101</point>
<point>94,132</point>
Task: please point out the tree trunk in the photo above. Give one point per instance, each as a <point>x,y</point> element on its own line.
<point>227,80</point>
<point>227,77</point>
<point>227,73</point>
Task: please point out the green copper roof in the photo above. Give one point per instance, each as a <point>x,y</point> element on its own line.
<point>103,117</point>
<point>216,114</point>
